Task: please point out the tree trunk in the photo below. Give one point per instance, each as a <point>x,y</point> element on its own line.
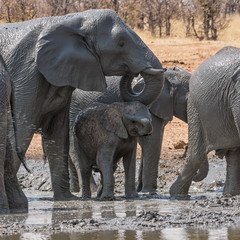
<point>168,26</point>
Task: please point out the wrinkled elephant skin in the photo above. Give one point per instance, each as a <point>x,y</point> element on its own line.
<point>213,119</point>
<point>102,135</point>
<point>47,58</point>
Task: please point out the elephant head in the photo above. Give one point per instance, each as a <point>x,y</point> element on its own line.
<point>128,119</point>
<point>81,49</point>
<point>172,100</point>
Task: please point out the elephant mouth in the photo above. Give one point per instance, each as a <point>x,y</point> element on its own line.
<point>124,71</point>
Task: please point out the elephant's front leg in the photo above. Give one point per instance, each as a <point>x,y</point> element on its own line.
<point>129,163</point>
<point>151,149</point>
<point>105,162</point>
<point>56,140</point>
<point>232,183</point>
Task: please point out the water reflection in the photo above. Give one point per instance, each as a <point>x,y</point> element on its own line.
<point>231,233</point>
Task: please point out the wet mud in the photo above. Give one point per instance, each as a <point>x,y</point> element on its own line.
<point>206,214</point>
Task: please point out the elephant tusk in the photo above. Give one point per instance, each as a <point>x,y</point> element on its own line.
<point>153,71</point>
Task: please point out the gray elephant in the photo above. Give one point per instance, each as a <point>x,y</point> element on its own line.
<point>172,101</point>
<point>102,135</point>
<point>47,58</point>
<point>213,120</point>
<point>7,181</point>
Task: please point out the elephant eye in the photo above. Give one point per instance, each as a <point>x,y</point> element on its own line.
<point>121,43</point>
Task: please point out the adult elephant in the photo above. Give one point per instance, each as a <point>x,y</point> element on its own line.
<point>213,119</point>
<point>47,58</point>
<point>172,101</point>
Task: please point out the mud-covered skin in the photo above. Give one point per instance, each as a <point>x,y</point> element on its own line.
<point>213,119</point>
<point>102,134</point>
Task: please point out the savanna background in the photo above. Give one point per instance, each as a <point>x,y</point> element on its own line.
<point>180,32</point>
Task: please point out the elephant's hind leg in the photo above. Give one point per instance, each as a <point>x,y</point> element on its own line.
<point>196,155</point>
<point>232,183</point>
<point>16,198</point>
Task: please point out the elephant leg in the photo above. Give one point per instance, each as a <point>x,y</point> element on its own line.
<point>16,198</point>
<point>100,187</point>
<point>75,174</point>
<point>74,183</point>
<point>129,163</point>
<point>105,163</point>
<point>56,139</point>
<point>232,183</point>
<point>82,166</point>
<point>196,155</point>
<point>151,149</point>
<point>4,207</point>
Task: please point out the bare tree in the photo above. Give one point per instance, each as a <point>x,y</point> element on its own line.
<point>18,10</point>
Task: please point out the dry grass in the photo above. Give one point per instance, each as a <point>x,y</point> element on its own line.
<point>229,34</point>
<point>232,32</point>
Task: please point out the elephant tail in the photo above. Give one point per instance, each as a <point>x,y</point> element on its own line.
<point>18,149</point>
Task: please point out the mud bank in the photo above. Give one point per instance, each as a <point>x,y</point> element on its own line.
<point>206,210</point>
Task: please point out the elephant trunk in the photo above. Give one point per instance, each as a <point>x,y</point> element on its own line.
<point>153,79</point>
<point>202,171</point>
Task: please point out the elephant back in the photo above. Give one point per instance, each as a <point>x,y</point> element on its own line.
<point>84,99</point>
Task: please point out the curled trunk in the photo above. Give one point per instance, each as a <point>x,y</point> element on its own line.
<point>202,171</point>
<point>153,79</point>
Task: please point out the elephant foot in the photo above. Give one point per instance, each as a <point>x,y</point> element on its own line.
<point>107,197</point>
<point>86,195</point>
<point>65,197</point>
<point>179,190</point>
<point>74,187</point>
<point>132,195</point>
<point>4,208</point>
<point>231,192</point>
<point>17,200</point>
<point>18,204</point>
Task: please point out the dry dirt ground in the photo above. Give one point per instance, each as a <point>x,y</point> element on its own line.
<point>206,209</point>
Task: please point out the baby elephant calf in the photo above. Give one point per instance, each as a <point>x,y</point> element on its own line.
<point>102,134</point>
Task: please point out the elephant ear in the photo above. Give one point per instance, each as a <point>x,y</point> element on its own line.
<point>163,106</point>
<point>113,120</point>
<point>65,58</point>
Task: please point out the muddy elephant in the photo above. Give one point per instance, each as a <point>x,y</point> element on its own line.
<point>47,58</point>
<point>103,134</point>
<point>172,101</point>
<point>9,187</point>
<point>213,120</point>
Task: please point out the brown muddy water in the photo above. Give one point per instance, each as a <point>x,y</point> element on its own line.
<point>206,216</point>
